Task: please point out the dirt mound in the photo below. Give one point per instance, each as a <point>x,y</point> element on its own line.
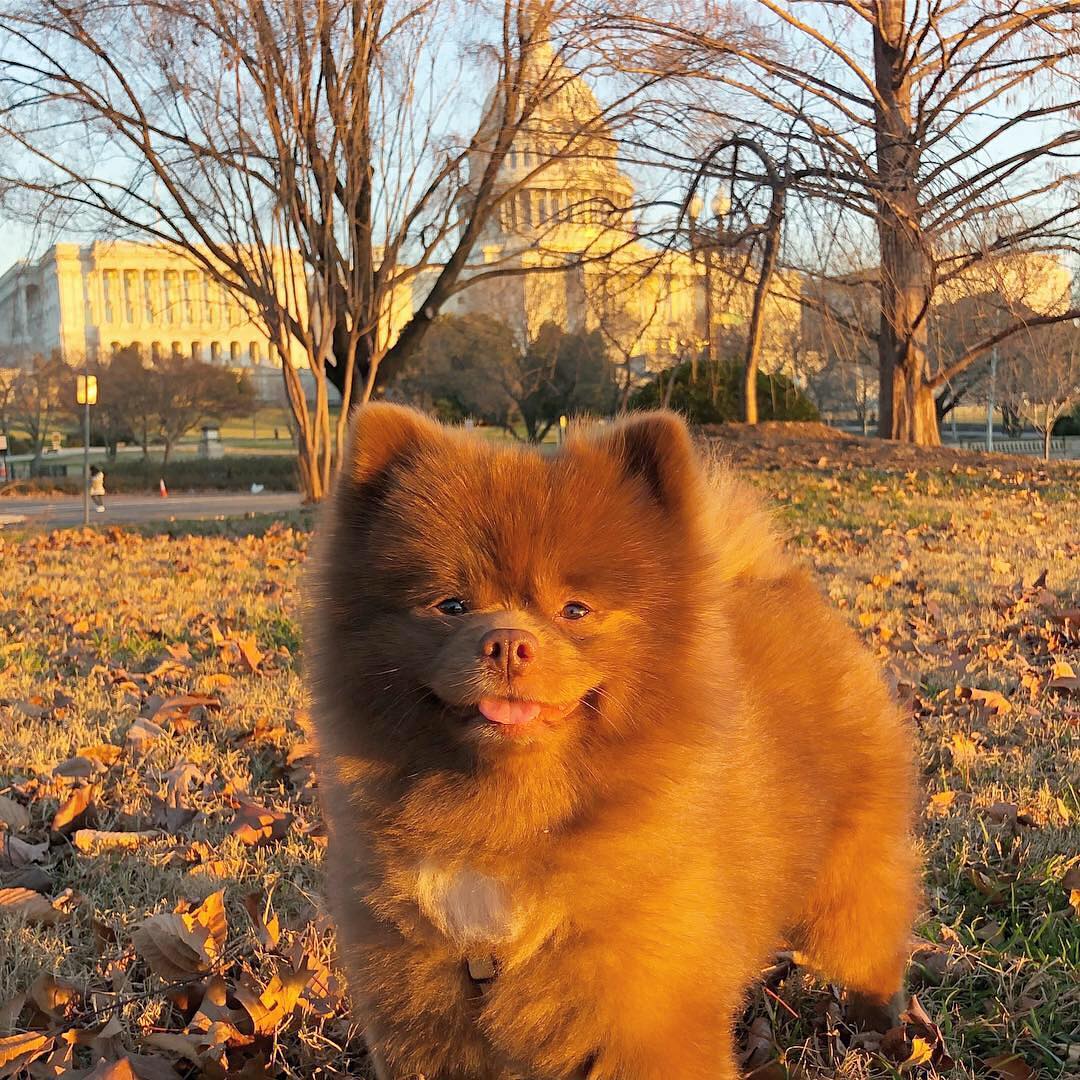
<point>777,443</point>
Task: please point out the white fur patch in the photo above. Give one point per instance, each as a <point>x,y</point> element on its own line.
<point>467,906</point>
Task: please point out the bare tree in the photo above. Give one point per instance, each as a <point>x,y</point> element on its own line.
<point>319,160</point>
<point>41,394</point>
<point>943,134</point>
<point>1040,376</point>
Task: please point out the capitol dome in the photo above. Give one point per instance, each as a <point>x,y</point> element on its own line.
<point>560,177</point>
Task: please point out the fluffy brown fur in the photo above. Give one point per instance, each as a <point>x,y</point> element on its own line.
<point>716,767</point>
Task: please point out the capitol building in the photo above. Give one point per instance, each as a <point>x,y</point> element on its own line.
<point>89,301</point>
<point>561,246</point>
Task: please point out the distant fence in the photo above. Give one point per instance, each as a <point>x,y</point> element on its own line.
<point>1066,446</point>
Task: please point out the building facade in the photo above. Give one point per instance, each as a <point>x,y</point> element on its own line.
<point>89,301</point>
<point>564,244</point>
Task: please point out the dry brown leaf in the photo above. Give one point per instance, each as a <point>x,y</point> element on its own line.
<point>79,768</point>
<point>992,699</point>
<point>112,1070</point>
<point>266,923</point>
<point>964,749</point>
<point>1011,1067</point>
<point>217,681</point>
<point>32,906</point>
<point>181,707</point>
<point>94,841</point>
<point>18,853</point>
<point>940,802</point>
<point>147,1067</point>
<point>180,778</point>
<point>54,997</point>
<point>14,815</point>
<point>106,753</point>
<point>74,807</point>
<point>248,647</point>
<point>142,732</point>
<point>274,1005</point>
<point>17,1051</point>
<point>258,824</point>
<point>180,945</point>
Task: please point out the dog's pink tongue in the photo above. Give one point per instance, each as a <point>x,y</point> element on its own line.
<point>501,711</point>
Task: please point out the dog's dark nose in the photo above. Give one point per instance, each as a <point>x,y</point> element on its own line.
<point>509,650</point>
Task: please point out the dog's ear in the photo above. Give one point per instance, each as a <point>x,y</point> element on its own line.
<point>381,434</point>
<point>656,448</point>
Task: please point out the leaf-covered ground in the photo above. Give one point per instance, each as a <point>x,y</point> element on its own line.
<point>160,910</point>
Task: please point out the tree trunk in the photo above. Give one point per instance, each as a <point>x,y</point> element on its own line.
<point>761,292</point>
<point>1048,434</point>
<point>906,409</point>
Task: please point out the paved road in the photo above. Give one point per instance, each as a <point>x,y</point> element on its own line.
<point>65,511</point>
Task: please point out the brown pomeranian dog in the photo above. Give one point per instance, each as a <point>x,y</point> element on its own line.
<point>591,748</point>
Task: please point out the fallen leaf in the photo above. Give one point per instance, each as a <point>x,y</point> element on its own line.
<point>14,815</point>
<point>143,732</point>
<point>112,1070</point>
<point>19,853</point>
<point>991,933</point>
<point>17,1051</point>
<point>217,681</point>
<point>182,706</point>
<point>258,824</point>
<point>921,1053</point>
<point>940,802</point>
<point>94,841</point>
<point>1011,1067</point>
<point>79,768</point>
<point>249,651</point>
<point>74,807</point>
<point>106,753</point>
<point>964,749</point>
<point>32,906</point>
<point>54,997</point>
<point>994,700</point>
<point>179,945</point>
<point>267,926</point>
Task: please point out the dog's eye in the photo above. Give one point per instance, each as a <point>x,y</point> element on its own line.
<point>452,606</point>
<point>574,610</point>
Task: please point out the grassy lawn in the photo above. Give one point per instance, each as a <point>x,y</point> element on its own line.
<point>150,686</point>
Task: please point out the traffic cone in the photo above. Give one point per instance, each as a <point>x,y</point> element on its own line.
<point>163,491</point>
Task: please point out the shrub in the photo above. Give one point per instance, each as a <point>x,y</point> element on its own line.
<point>141,476</point>
<point>778,397</point>
<point>230,473</point>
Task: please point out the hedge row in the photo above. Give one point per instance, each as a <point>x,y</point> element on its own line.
<point>139,476</point>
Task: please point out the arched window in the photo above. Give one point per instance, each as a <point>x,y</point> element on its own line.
<point>196,350</point>
<point>177,350</point>
<point>155,351</point>
<point>253,352</point>
<point>215,352</point>
<point>114,348</point>
<point>234,353</point>
<point>513,157</point>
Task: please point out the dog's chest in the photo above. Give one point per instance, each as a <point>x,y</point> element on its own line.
<point>466,905</point>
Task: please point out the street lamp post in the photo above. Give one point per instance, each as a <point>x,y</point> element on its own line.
<point>990,402</point>
<point>86,395</point>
